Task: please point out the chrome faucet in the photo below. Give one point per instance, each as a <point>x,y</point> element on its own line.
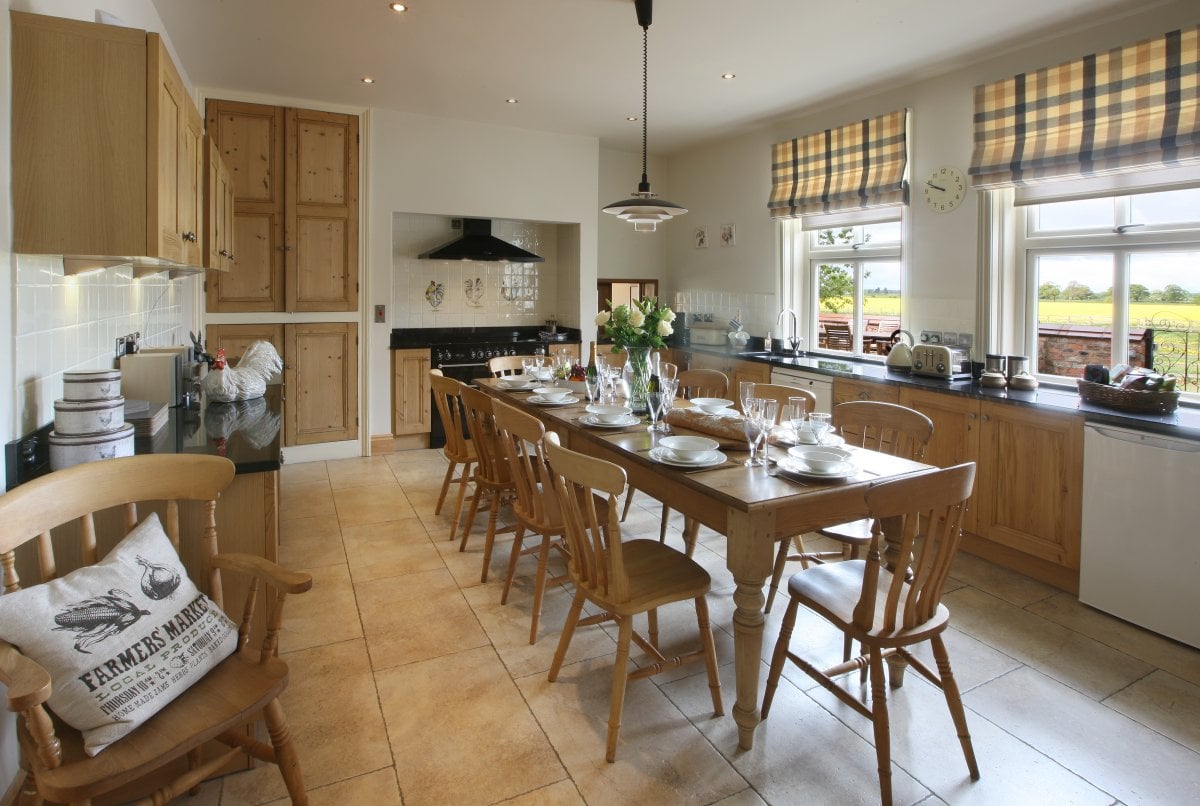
<point>794,340</point>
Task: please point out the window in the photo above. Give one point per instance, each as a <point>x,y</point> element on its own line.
<point>854,278</point>
<point>1112,280</point>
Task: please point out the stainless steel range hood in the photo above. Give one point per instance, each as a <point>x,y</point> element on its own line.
<point>478,243</point>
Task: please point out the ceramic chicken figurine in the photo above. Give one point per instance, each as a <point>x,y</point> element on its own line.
<point>247,380</point>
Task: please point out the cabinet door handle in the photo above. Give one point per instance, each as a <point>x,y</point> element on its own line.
<point>863,396</point>
<point>190,237</point>
<point>986,418</point>
<point>225,253</point>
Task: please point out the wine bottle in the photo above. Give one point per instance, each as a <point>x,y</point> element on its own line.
<point>593,372</point>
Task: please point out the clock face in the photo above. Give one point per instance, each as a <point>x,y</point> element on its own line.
<point>944,189</point>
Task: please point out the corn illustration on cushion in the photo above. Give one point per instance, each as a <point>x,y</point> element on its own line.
<point>121,638</point>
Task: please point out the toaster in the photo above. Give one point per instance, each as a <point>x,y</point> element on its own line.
<point>940,361</point>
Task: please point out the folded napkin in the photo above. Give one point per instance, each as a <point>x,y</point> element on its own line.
<point>696,420</point>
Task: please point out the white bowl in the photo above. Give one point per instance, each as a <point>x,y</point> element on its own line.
<point>799,452</point>
<point>514,381</point>
<point>711,405</point>
<point>552,392</point>
<point>821,461</point>
<point>689,449</point>
<point>608,413</point>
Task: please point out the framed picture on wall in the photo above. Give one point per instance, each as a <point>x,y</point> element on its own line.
<point>728,235</point>
<point>701,236</point>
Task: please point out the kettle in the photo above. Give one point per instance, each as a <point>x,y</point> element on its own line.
<point>899,358</point>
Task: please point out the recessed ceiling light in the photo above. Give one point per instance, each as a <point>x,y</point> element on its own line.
<point>368,80</point>
<point>632,118</point>
<point>728,76</point>
<point>511,100</point>
<point>399,8</point>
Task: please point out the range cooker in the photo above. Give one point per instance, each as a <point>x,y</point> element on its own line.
<point>462,353</point>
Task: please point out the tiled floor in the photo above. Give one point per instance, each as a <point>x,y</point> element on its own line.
<point>412,684</point>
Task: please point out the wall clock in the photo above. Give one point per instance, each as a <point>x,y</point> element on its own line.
<point>944,189</point>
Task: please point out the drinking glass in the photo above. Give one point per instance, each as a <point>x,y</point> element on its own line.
<point>668,371</point>
<point>669,387</point>
<point>756,423</point>
<point>592,387</point>
<point>745,392</point>
<point>528,363</point>
<point>539,356</point>
<point>796,410</point>
<point>819,422</point>
<point>653,406</point>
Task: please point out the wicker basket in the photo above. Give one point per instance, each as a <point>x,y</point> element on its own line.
<point>1137,401</point>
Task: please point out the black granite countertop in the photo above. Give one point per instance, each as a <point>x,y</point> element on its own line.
<point>407,338</point>
<point>1183,422</point>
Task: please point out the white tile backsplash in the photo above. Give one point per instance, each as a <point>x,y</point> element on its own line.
<point>498,293</point>
<point>67,323</point>
<point>758,311</point>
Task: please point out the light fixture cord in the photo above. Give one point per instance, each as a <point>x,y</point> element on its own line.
<point>645,72</point>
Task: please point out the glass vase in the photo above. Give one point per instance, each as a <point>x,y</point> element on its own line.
<point>637,377</point>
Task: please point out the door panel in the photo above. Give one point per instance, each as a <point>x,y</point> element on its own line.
<point>321,374</point>
<point>236,338</point>
<point>321,246</point>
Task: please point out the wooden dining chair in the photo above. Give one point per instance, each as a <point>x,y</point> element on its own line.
<point>503,365</point>
<point>884,427</point>
<point>536,507</point>
<point>838,336</point>
<point>622,579</point>
<point>458,449</point>
<point>781,393</point>
<point>493,481</point>
<point>91,506</point>
<point>876,604</point>
<point>692,383</point>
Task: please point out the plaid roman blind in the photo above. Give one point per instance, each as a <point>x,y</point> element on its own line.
<point>1132,107</point>
<point>856,166</point>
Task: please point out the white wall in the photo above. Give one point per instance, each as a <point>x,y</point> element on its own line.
<point>443,167</point>
<point>729,180</point>
<point>623,253</point>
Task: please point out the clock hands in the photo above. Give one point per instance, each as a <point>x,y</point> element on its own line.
<point>935,187</point>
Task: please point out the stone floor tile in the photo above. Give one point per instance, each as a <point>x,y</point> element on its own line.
<point>375,788</point>
<point>1080,662</point>
<point>1162,701</point>
<point>1000,582</point>
<point>389,549</point>
<point>357,506</point>
<point>491,750</point>
<point>416,617</point>
<point>1110,751</point>
<point>310,542</point>
<point>562,793</point>
<point>305,500</point>
<point>325,614</point>
<point>302,473</point>
<point>363,471</point>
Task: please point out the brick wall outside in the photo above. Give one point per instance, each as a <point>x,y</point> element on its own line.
<point>1067,349</point>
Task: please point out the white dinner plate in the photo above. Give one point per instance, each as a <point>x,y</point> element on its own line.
<point>525,383</point>
<point>784,438</point>
<point>797,467</point>
<point>665,457</point>
<point>541,401</point>
<point>624,422</point>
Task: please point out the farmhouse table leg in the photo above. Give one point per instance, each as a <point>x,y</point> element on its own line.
<point>750,557</point>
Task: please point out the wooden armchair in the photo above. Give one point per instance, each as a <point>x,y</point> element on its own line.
<point>492,477</point>
<point>838,337</point>
<point>503,365</point>
<point>240,690</point>
<point>622,578</point>
<point>887,608</point>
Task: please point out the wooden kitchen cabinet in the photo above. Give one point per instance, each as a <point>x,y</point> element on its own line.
<point>295,180</point>
<point>105,144</point>
<point>321,377</point>
<point>410,391</point>
<point>218,196</point>
<point>845,390</point>
<point>320,374</point>
<point>1027,508</point>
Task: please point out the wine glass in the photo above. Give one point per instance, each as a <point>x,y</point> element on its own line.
<point>591,385</point>
<point>745,392</point>
<point>669,387</point>
<point>755,425</point>
<point>794,414</point>
<point>528,364</point>
<point>668,371</point>
<point>539,358</point>
<point>653,406</point>
<point>819,422</point>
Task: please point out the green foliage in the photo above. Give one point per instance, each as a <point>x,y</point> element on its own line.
<point>1138,293</point>
<point>645,323</point>
<point>835,287</point>
<point>1049,291</point>
<point>1173,293</point>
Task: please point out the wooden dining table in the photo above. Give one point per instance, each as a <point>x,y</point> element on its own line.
<point>750,507</point>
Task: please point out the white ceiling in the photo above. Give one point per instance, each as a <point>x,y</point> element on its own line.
<point>575,65</point>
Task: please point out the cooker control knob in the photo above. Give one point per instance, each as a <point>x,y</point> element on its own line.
<point>512,350</point>
<point>917,364</point>
<point>941,367</point>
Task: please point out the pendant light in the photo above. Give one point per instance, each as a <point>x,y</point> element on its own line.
<point>644,210</point>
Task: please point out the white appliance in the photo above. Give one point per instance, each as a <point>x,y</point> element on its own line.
<point>819,385</point>
<point>1140,550</point>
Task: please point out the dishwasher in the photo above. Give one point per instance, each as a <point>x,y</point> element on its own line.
<point>1140,547</point>
<point>820,385</point>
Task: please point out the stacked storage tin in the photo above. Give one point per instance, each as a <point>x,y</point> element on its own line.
<point>89,422</point>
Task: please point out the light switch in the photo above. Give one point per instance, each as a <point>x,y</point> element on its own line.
<point>380,314</point>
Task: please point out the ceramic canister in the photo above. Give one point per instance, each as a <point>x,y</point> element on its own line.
<point>67,450</point>
<point>73,417</point>
<point>103,384</point>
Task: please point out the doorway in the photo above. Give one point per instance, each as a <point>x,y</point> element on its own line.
<point>621,292</point>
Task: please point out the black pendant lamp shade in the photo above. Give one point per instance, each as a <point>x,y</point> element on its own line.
<point>644,210</point>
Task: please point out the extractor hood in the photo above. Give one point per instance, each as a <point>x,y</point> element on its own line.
<point>478,243</point>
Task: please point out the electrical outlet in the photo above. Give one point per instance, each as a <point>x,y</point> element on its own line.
<point>965,340</point>
<point>380,314</point>
<point>950,337</point>
<point>931,337</point>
